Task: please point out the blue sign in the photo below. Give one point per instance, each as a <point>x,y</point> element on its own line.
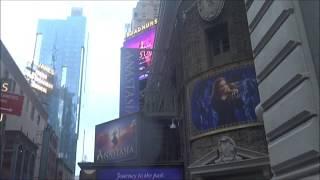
<point>226,98</point>
<point>129,82</point>
<point>141,173</point>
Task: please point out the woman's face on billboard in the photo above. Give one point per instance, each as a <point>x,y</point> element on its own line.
<point>223,87</point>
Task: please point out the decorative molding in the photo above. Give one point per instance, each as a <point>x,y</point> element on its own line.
<point>283,91</point>
<point>272,30</point>
<point>289,125</point>
<point>293,164</point>
<point>217,131</point>
<point>209,10</point>
<point>285,51</point>
<point>260,162</point>
<point>266,5</point>
<point>248,4</point>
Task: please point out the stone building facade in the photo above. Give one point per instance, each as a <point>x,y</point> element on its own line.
<point>21,153</point>
<point>285,43</point>
<point>144,12</point>
<point>194,49</point>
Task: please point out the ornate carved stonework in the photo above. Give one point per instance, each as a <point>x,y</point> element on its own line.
<point>226,150</point>
<point>210,9</point>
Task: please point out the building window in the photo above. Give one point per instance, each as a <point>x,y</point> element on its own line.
<point>38,121</point>
<point>218,38</point>
<point>6,74</point>
<point>13,86</point>
<point>32,113</point>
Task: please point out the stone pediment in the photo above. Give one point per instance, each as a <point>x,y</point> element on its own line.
<point>228,157</point>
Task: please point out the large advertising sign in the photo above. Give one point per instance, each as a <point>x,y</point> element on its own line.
<point>116,140</point>
<point>41,78</point>
<point>136,59</point>
<point>11,103</point>
<point>144,42</point>
<point>224,99</point>
<point>129,84</point>
<point>143,173</point>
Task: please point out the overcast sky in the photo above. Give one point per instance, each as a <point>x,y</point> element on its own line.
<point>105,24</point>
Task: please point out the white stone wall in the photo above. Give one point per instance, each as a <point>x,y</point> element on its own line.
<point>289,89</point>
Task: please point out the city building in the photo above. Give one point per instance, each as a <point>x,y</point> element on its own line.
<point>203,77</point>
<point>62,49</point>
<point>48,163</point>
<point>21,145</point>
<point>144,12</point>
<point>236,83</point>
<point>285,44</point>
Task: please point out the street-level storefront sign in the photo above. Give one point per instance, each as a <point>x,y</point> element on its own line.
<point>11,103</point>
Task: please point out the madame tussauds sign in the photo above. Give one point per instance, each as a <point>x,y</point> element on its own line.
<point>116,140</point>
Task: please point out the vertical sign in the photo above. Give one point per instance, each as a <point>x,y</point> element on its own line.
<point>129,83</point>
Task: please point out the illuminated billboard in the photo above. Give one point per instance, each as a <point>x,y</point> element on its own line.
<point>144,41</point>
<point>136,59</point>
<point>116,140</point>
<point>225,99</point>
<point>41,78</point>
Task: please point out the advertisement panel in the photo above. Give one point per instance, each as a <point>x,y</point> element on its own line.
<point>143,41</point>
<point>11,103</point>
<point>224,99</point>
<point>129,83</point>
<point>116,140</point>
<point>143,173</point>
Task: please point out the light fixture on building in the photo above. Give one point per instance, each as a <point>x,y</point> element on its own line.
<point>172,125</point>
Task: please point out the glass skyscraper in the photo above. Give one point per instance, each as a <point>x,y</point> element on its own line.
<point>61,47</point>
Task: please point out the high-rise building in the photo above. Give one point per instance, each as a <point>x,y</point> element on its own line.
<point>62,48</point>
<point>144,12</point>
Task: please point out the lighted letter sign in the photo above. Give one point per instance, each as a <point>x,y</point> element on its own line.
<point>40,78</point>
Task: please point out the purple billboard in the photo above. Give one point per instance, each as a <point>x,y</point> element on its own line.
<point>116,140</point>
<point>143,173</point>
<point>144,42</point>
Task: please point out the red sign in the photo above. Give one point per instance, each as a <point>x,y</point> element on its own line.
<point>11,103</point>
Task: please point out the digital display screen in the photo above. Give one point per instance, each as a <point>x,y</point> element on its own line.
<point>144,42</point>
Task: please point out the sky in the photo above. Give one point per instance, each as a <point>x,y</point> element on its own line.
<point>106,27</point>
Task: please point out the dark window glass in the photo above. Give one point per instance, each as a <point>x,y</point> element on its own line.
<point>6,165</point>
<point>38,119</point>
<point>19,163</point>
<point>218,39</point>
<point>32,113</point>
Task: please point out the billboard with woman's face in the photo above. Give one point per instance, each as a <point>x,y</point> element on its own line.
<point>224,99</point>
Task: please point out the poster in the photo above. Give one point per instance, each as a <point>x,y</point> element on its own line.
<point>116,140</point>
<point>225,98</point>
